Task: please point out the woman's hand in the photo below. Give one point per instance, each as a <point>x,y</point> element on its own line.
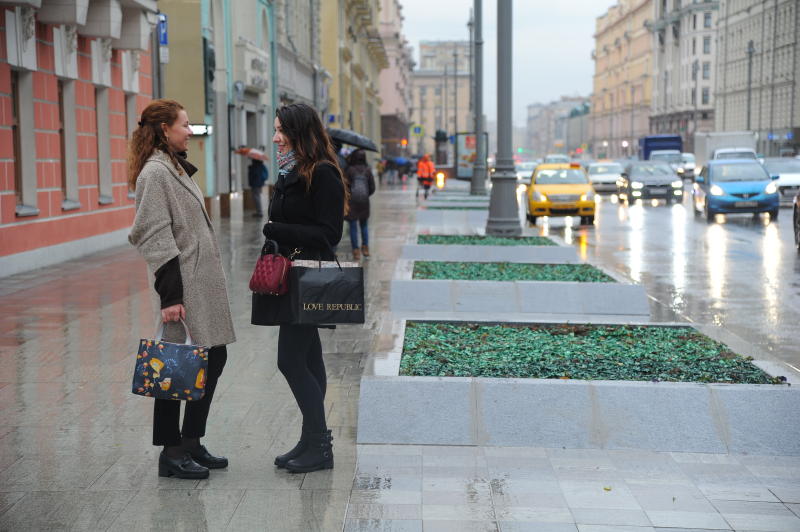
<point>173,313</point>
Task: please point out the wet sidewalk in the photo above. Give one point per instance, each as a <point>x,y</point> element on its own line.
<point>75,447</point>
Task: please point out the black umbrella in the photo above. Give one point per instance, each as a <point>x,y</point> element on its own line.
<point>345,136</point>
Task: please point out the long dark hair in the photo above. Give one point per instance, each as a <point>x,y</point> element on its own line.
<point>359,156</point>
<point>149,136</point>
<point>311,144</point>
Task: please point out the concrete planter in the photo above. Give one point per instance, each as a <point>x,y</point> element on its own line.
<point>662,416</point>
<point>520,254</point>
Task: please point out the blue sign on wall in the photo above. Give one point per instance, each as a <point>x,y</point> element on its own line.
<point>163,39</point>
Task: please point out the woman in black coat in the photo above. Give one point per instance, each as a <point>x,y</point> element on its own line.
<point>306,217</point>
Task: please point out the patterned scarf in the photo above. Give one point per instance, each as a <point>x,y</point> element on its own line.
<point>286,162</point>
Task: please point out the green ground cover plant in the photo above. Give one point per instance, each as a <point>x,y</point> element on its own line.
<point>586,352</point>
<point>509,271</point>
<point>485,240</point>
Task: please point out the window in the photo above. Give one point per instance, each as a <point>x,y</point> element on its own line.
<point>23,134</point>
<point>16,135</point>
<point>694,97</point>
<point>707,20</point>
<point>706,70</point>
<point>706,45</point>
<point>706,95</point>
<point>694,46</point>
<point>62,137</point>
<point>105,195</point>
<point>694,21</point>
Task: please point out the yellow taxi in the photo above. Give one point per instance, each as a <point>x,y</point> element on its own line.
<point>561,189</point>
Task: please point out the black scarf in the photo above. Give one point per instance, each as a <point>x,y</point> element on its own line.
<point>188,167</point>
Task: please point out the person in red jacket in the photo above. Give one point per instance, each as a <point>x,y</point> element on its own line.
<point>425,174</point>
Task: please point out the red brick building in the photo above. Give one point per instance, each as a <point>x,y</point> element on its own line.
<point>73,81</point>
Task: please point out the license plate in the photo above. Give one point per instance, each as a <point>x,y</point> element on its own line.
<point>745,204</point>
<point>789,191</point>
<point>657,191</point>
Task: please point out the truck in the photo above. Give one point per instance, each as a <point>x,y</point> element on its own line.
<point>651,143</point>
<point>706,143</point>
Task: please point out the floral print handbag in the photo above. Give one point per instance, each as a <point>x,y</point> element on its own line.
<point>170,371</point>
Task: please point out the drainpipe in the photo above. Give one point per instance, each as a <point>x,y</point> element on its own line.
<point>273,85</point>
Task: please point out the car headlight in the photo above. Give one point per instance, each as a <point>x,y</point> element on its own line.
<point>772,188</point>
<point>589,196</point>
<point>679,169</point>
<point>677,183</point>
<point>716,190</point>
<point>538,196</point>
<point>636,185</point>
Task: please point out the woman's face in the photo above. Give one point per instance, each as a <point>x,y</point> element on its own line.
<point>178,133</point>
<point>280,140</point>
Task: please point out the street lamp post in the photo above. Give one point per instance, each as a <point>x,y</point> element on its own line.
<point>695,76</point>
<point>478,183</point>
<point>503,208</point>
<point>455,92</point>
<point>751,49</point>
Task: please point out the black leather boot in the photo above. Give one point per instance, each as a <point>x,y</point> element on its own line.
<point>298,449</point>
<point>201,455</point>
<point>317,455</point>
<point>183,467</point>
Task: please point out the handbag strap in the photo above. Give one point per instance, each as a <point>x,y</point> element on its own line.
<point>160,333</point>
<point>267,244</point>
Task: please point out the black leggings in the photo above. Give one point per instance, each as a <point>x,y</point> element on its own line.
<point>300,361</point>
<point>167,413</point>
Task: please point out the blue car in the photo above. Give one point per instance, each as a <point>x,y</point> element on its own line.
<point>733,186</point>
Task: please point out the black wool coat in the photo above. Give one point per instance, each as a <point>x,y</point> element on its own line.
<point>307,219</point>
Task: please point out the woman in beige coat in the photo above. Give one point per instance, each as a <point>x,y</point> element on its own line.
<point>173,233</point>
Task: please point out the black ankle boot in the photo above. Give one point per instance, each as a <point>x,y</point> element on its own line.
<point>317,455</point>
<point>183,467</point>
<point>298,449</point>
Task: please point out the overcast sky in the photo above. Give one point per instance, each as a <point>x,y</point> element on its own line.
<point>552,44</point>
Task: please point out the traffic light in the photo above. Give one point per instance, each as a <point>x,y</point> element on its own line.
<point>441,135</point>
<point>404,142</point>
<point>520,150</point>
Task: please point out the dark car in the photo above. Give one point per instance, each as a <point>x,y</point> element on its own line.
<point>650,180</point>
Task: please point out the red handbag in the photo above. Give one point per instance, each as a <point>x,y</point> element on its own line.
<point>271,274</point>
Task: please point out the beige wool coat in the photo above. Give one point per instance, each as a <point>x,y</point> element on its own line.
<point>171,221</point>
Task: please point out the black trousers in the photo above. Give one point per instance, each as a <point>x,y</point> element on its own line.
<point>300,362</point>
<point>166,413</point>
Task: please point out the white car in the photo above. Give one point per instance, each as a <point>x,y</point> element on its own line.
<point>735,153</point>
<point>525,171</point>
<point>604,176</point>
<point>788,171</point>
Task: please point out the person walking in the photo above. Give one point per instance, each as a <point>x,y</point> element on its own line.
<point>257,175</point>
<point>306,218</point>
<point>173,232</point>
<point>425,172</point>
<point>361,183</point>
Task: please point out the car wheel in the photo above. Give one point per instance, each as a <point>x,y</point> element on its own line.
<point>532,219</point>
<point>708,213</point>
<point>773,214</point>
<point>590,220</point>
<point>669,200</point>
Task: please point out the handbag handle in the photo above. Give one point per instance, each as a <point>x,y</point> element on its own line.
<point>160,333</point>
<point>267,244</point>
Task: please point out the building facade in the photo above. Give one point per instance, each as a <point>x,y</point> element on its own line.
<point>74,76</point>
<point>441,92</point>
<point>623,78</point>
<point>757,72</point>
<point>354,56</point>
<point>547,125</point>
<point>684,54</point>
<point>395,81</point>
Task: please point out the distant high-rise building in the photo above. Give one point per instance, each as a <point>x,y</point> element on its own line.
<point>441,91</point>
<point>758,65</point>
<point>547,127</point>
<point>623,74</point>
<point>683,60</point>
<point>395,81</point>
